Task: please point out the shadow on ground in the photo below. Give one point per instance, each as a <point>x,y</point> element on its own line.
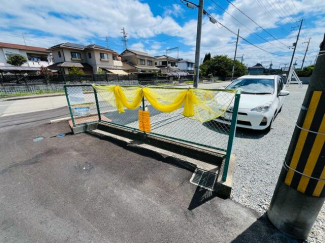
<point>262,230</point>
<point>240,132</point>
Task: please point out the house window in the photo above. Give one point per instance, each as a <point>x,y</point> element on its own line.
<point>164,63</point>
<point>114,57</point>
<point>36,57</point>
<point>149,62</point>
<point>104,56</point>
<point>142,61</point>
<point>155,63</point>
<point>76,55</point>
<point>59,53</point>
<point>89,55</point>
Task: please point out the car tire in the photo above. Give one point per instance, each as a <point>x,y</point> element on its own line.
<point>271,123</point>
<point>269,127</point>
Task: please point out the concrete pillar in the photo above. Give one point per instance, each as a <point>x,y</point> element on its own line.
<point>300,191</point>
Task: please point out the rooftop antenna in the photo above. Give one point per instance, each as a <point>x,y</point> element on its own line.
<point>24,39</point>
<point>107,42</point>
<point>124,38</point>
<point>174,48</point>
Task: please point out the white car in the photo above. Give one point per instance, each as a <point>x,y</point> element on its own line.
<point>261,100</point>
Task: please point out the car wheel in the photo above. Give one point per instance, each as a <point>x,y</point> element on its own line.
<point>269,127</point>
<point>271,123</point>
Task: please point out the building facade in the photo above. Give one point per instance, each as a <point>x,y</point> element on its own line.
<point>91,59</point>
<point>140,61</point>
<point>36,57</point>
<point>186,65</point>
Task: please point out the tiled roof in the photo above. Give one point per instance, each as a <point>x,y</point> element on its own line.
<point>22,47</point>
<point>140,53</point>
<point>95,46</point>
<point>79,47</point>
<point>186,60</point>
<point>69,45</point>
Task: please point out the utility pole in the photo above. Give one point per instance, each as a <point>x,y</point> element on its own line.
<point>242,58</point>
<point>198,44</point>
<point>300,192</point>
<point>303,60</point>
<point>293,53</point>
<point>124,38</point>
<point>233,65</point>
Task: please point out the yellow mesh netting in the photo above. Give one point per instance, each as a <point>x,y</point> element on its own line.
<point>198,104</point>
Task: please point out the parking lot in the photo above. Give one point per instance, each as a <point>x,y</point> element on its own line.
<point>80,188</point>
<point>60,187</point>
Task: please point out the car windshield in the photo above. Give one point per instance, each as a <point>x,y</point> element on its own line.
<point>253,85</point>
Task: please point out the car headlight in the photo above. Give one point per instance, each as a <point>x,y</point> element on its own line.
<point>263,108</point>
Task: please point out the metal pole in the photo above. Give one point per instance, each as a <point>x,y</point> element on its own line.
<point>231,135</point>
<point>300,192</point>
<point>293,54</point>
<point>198,44</point>
<point>68,101</point>
<point>303,60</point>
<point>233,65</point>
<point>97,105</point>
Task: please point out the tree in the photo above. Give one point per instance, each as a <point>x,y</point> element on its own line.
<point>221,66</point>
<point>76,71</point>
<point>16,60</point>
<point>207,57</point>
<point>306,72</point>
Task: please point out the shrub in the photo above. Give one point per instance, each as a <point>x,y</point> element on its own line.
<point>16,59</point>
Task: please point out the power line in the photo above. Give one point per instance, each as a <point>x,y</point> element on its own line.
<point>247,40</point>
<point>293,3</point>
<point>245,25</point>
<point>213,20</point>
<point>260,3</point>
<point>255,22</point>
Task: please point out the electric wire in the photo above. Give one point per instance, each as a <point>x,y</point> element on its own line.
<point>255,22</point>
<point>265,8</point>
<point>253,32</point>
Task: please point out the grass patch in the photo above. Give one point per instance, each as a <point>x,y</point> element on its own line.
<point>37,92</point>
<point>189,82</point>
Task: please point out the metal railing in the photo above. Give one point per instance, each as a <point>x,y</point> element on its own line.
<point>87,106</point>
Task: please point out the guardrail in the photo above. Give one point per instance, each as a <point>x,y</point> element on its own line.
<point>87,105</point>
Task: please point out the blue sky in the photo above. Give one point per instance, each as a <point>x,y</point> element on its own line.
<point>153,26</point>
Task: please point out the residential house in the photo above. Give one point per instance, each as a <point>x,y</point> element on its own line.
<point>165,61</point>
<point>140,61</point>
<point>257,69</point>
<point>186,65</point>
<point>91,59</point>
<point>36,57</point>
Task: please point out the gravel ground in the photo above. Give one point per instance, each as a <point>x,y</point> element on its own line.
<point>260,156</point>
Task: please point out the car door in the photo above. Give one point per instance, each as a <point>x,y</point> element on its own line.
<point>280,86</point>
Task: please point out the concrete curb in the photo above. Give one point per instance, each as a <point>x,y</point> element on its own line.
<point>182,155</point>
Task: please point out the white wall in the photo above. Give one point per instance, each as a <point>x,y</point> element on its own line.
<point>3,60</point>
<point>183,66</point>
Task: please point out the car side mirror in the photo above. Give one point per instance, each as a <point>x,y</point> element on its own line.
<point>284,93</point>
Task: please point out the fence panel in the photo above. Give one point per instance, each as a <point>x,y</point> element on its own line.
<point>82,104</point>
<point>200,129</point>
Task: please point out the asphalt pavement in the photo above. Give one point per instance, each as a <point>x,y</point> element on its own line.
<point>79,188</point>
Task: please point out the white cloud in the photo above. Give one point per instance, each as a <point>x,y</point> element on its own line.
<point>82,21</point>
<point>175,10</point>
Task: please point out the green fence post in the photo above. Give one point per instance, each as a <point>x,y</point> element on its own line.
<point>67,96</point>
<point>97,105</point>
<point>231,135</point>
